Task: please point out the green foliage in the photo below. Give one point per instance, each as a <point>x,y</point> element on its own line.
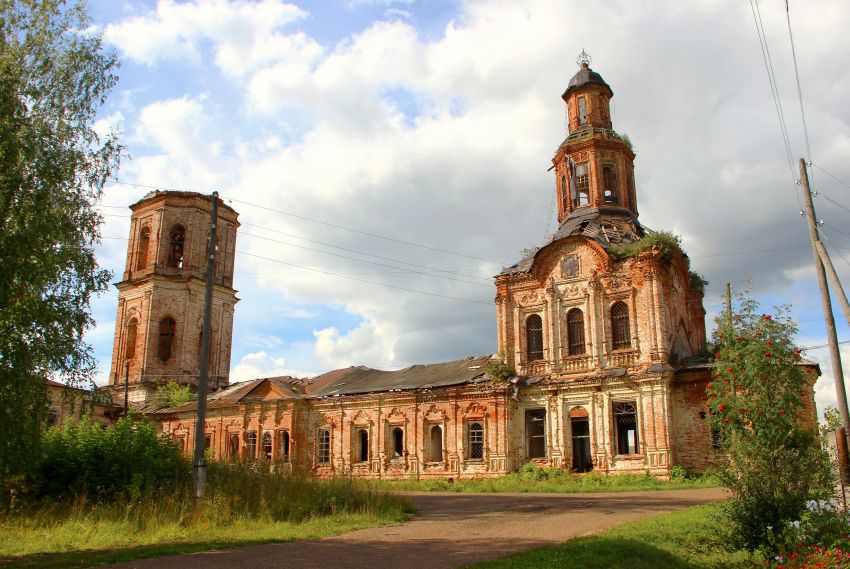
<point>127,460</point>
<point>54,76</point>
<point>698,282</point>
<point>831,419</point>
<point>498,369</point>
<point>667,243</point>
<point>678,473</point>
<point>770,462</point>
<point>172,394</point>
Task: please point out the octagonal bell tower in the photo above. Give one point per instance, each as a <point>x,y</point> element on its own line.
<point>158,327</point>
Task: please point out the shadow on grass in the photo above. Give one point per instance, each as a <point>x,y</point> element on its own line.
<point>591,553</point>
<point>92,557</point>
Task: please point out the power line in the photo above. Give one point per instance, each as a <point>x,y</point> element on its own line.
<point>362,260</point>
<point>774,89</point>
<point>751,252</point>
<point>328,224</point>
<point>843,183</point>
<point>364,280</point>
<point>799,89</point>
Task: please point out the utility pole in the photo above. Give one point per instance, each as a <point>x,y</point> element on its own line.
<point>126,385</point>
<point>829,319</point>
<point>200,462</point>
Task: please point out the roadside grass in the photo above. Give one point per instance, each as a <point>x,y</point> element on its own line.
<point>245,504</point>
<point>687,539</point>
<point>548,480</point>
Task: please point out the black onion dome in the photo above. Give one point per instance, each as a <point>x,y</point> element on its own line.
<point>584,76</point>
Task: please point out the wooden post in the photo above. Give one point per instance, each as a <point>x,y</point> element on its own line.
<point>829,319</point>
<point>126,386</point>
<point>200,463</point>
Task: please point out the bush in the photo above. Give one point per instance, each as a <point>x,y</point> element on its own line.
<point>771,462</point>
<point>100,463</point>
<point>679,473</point>
<point>666,242</point>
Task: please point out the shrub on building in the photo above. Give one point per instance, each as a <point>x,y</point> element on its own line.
<point>770,456</point>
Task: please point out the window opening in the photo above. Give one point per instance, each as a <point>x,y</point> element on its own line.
<point>267,445</point>
<point>130,347</point>
<point>363,445</point>
<point>609,181</point>
<point>575,332</point>
<point>476,441</point>
<point>534,337</point>
<point>323,446</point>
<point>251,445</point>
<point>625,417</point>
<point>535,432</point>
<point>175,251</point>
<point>620,333</point>
<point>167,332</point>
<point>207,441</point>
<point>565,191</point>
<point>144,245</point>
<point>580,427</point>
<point>233,448</point>
<point>52,418</point>
<point>284,446</point>
<point>582,110</point>
<point>582,185</point>
<point>436,444</point>
<point>398,442</point>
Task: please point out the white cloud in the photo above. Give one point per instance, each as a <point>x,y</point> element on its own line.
<point>261,364</point>
<point>244,34</point>
<point>301,313</point>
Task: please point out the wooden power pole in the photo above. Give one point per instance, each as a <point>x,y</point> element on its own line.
<point>200,462</point>
<point>829,319</point>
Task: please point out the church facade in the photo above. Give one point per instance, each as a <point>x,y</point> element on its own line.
<point>603,336</point>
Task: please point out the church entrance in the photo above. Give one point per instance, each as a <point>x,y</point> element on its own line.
<point>580,428</point>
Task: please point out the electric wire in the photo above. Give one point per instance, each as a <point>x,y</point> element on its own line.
<point>321,222</point>
<point>834,177</point>
<point>799,88</point>
<point>774,89</point>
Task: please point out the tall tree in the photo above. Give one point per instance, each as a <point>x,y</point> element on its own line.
<point>54,77</point>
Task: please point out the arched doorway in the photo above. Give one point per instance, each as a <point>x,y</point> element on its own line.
<point>580,429</point>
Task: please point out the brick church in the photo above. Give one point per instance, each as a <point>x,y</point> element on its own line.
<point>604,345</point>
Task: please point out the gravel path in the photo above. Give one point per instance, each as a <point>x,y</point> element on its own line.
<point>452,529</point>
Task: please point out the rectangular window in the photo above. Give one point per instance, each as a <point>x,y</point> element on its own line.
<point>475,435</point>
<point>625,418</point>
<point>284,446</point>
<point>398,442</point>
<point>609,182</point>
<point>251,445</point>
<point>233,448</point>
<point>582,110</point>
<point>535,433</point>
<point>323,446</point>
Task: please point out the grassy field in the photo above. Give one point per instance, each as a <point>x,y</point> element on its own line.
<point>688,539</point>
<point>245,505</point>
<point>86,541</point>
<point>547,481</point>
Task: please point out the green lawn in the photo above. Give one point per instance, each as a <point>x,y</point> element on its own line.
<point>81,542</point>
<point>688,539</point>
<point>547,481</point>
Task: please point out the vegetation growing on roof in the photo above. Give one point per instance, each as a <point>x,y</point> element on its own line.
<point>498,369</point>
<point>172,394</point>
<point>698,282</point>
<point>667,242</point>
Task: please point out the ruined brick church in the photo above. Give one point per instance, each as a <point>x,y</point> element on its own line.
<point>605,346</point>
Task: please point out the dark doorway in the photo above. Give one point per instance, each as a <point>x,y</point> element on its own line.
<point>582,462</point>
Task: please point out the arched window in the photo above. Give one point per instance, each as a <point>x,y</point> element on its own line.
<point>609,182</point>
<point>398,442</point>
<point>284,446</point>
<point>620,333</point>
<point>167,333</point>
<point>267,445</point>
<point>363,445</point>
<point>130,339</point>
<point>534,337</point>
<point>436,444</point>
<point>582,185</point>
<point>177,236</point>
<point>565,192</point>
<point>575,332</point>
<point>144,245</point>
<point>476,441</point>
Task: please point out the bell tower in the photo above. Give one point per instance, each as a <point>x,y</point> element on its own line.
<point>158,327</point>
<point>594,166</point>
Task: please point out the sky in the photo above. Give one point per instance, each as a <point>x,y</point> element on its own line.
<point>388,157</point>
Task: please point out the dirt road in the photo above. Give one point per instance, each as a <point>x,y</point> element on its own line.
<point>452,529</point>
